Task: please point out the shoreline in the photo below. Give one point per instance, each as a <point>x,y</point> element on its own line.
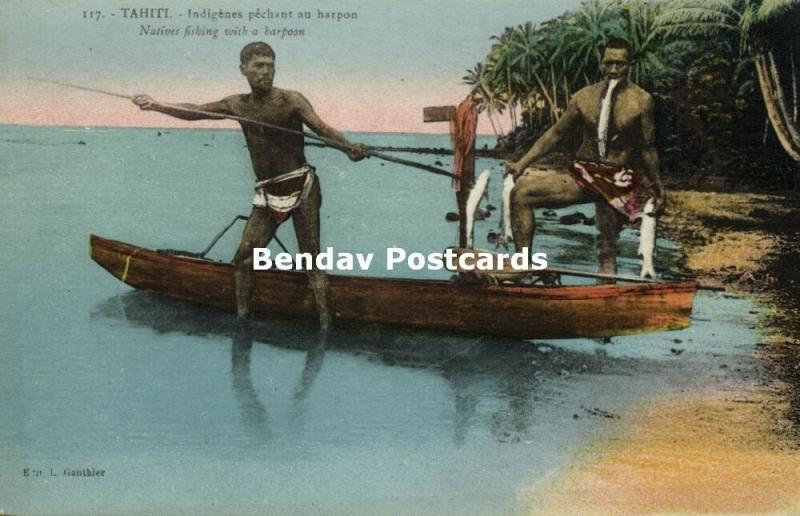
<point>715,448</point>
<point>750,244</point>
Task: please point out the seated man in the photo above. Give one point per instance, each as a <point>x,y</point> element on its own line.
<point>616,165</point>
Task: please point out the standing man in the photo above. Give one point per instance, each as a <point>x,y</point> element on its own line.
<point>278,161</point>
<point>616,165</point>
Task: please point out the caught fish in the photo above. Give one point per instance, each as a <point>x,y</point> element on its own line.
<point>508,185</point>
<point>647,240</point>
<point>478,191</point>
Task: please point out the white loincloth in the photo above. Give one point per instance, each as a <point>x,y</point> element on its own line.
<point>284,203</point>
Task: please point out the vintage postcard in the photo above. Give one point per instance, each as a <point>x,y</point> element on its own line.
<point>454,257</point>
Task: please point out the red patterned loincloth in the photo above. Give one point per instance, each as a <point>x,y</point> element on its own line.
<point>619,186</point>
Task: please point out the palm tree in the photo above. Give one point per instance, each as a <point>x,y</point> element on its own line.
<point>483,95</point>
<point>648,45</point>
<point>774,29</point>
<point>707,19</point>
<point>588,30</point>
<point>751,25</point>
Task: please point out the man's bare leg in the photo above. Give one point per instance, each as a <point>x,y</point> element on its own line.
<point>540,189</point>
<point>609,224</point>
<point>306,227</point>
<point>258,232</point>
<point>523,219</point>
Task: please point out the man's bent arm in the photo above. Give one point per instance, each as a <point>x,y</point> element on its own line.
<point>315,123</point>
<point>649,152</point>
<point>550,139</point>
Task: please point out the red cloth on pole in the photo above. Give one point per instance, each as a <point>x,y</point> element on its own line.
<point>462,133</point>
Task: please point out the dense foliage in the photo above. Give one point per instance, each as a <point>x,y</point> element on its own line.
<point>695,57</point>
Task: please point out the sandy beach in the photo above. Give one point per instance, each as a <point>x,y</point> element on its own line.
<point>723,449</point>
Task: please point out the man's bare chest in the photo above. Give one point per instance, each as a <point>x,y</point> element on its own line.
<point>625,113</point>
<point>274,113</point>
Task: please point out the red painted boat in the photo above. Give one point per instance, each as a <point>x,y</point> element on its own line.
<point>530,312</point>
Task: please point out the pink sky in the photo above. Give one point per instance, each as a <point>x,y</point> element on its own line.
<point>379,108</point>
<point>373,74</point>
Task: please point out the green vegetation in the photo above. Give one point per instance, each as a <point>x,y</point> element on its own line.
<point>723,73</point>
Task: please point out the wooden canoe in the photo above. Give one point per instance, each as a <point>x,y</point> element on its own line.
<point>530,312</point>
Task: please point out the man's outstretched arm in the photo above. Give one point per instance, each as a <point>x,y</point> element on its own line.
<point>546,143</point>
<point>315,123</point>
<point>185,111</point>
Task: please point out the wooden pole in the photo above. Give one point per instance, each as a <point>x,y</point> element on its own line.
<point>448,114</point>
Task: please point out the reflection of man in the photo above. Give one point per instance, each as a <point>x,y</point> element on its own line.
<point>286,183</point>
<point>616,165</point>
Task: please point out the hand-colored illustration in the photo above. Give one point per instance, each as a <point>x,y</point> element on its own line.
<point>544,263</point>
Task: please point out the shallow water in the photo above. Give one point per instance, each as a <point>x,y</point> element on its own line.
<point>188,413</point>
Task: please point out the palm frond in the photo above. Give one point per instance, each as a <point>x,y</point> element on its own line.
<point>724,6</point>
<point>696,29</point>
<point>770,10</point>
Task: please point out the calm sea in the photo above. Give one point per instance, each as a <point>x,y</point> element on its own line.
<point>186,415</point>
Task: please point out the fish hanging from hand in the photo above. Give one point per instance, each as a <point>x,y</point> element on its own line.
<point>478,192</point>
<point>647,240</point>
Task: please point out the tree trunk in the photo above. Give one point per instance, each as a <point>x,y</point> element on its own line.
<point>777,110</point>
<point>794,85</point>
<point>491,121</point>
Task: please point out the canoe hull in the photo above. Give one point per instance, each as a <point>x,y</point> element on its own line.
<point>526,312</point>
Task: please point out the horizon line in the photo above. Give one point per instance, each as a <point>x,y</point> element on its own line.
<point>180,128</point>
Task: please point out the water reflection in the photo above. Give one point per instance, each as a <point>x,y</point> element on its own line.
<point>518,376</point>
<point>315,355</point>
<point>254,413</point>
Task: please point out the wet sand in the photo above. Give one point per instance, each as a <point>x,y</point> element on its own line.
<point>750,243</point>
<point>707,453</point>
<point>720,449</point>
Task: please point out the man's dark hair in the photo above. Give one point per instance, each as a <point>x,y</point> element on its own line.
<point>621,43</point>
<point>256,48</point>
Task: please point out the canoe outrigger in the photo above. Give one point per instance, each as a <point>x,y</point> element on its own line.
<point>525,311</point>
